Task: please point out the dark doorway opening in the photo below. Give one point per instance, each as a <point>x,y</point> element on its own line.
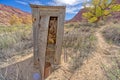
<point>51,42</point>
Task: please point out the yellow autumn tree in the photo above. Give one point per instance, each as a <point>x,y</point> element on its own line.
<point>15,20</point>
<point>27,20</point>
<point>99,9</point>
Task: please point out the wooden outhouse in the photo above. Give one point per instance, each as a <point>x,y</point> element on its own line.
<point>48,30</point>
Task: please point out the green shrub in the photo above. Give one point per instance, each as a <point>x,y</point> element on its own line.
<point>14,39</point>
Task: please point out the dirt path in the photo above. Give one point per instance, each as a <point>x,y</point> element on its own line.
<point>91,68</point>
<point>17,68</point>
<point>15,59</point>
<point>18,71</point>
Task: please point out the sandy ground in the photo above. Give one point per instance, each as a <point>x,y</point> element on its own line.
<point>19,69</point>
<point>89,69</point>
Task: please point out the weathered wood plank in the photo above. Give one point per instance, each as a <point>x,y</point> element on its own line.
<point>40,30</point>
<point>42,38</point>
<point>60,33</point>
<point>35,20</point>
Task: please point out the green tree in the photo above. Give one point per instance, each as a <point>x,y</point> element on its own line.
<point>100,9</point>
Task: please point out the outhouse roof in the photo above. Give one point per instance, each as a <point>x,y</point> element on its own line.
<point>42,6</point>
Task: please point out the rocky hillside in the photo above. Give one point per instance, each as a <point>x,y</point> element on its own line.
<point>8,13</point>
<point>78,16</point>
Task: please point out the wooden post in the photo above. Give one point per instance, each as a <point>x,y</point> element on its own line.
<point>48,29</point>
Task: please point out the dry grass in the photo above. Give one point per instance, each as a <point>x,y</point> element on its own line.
<point>14,40</point>
<point>112,34</point>
<point>79,43</point>
<point>113,72</point>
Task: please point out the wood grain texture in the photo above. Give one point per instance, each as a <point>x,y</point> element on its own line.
<point>42,41</point>
<point>59,39</point>
<point>40,30</point>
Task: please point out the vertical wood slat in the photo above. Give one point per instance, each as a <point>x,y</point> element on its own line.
<point>40,32</point>
<point>36,65</point>
<point>35,38</point>
<point>59,39</point>
<point>43,33</point>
